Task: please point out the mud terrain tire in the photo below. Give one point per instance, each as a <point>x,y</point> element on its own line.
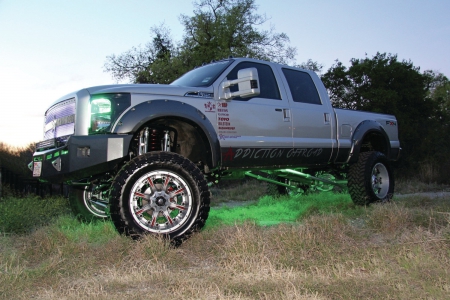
<point>159,193</point>
<point>371,179</point>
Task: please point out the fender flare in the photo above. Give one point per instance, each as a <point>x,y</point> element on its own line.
<point>137,116</point>
<point>362,130</point>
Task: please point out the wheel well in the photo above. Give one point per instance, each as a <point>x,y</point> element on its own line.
<point>187,139</point>
<point>374,141</point>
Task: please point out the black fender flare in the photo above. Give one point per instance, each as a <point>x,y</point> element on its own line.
<point>362,130</point>
<point>146,111</point>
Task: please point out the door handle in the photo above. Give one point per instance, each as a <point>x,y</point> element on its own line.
<point>326,117</point>
<point>286,115</point>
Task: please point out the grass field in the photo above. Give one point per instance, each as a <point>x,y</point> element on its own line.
<point>318,246</point>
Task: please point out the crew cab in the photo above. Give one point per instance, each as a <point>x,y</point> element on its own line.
<point>145,154</point>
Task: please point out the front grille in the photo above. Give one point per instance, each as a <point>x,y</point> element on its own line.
<point>52,143</point>
<point>60,120</point>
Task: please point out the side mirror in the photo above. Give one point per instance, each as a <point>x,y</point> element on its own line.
<point>248,84</point>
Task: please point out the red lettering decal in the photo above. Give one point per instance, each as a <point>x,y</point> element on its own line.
<point>228,155</point>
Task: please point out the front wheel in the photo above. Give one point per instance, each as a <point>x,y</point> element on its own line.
<point>370,179</point>
<point>88,203</point>
<point>159,193</point>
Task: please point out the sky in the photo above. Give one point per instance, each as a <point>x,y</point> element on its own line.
<point>49,48</point>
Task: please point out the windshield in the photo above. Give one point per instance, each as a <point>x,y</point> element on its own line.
<point>203,76</point>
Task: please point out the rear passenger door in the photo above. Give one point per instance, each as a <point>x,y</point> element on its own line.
<point>255,131</point>
<point>311,119</point>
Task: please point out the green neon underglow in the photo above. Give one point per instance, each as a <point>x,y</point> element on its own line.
<point>56,154</point>
<point>64,152</point>
<point>273,211</point>
<point>49,156</point>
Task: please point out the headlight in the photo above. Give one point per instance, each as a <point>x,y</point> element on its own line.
<point>105,109</point>
<point>100,115</point>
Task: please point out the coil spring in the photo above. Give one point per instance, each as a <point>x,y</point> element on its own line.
<point>154,142</point>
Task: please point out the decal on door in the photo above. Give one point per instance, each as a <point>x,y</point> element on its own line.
<point>273,156</point>
<point>210,107</point>
<point>224,122</point>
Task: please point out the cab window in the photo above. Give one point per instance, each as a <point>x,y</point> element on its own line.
<point>267,82</point>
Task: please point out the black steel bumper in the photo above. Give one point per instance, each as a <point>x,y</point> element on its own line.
<point>81,157</point>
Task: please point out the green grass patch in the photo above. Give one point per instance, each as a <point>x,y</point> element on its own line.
<point>95,232</point>
<point>271,211</point>
<point>23,215</point>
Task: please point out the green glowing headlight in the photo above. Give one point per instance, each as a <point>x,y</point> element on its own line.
<point>100,115</point>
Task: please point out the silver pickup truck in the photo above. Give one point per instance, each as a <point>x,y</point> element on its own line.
<point>145,155</point>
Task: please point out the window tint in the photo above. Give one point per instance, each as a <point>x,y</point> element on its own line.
<point>267,83</point>
<point>302,87</point>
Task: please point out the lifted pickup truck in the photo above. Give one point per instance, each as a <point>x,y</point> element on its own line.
<point>145,154</point>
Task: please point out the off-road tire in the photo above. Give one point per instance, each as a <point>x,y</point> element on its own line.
<point>82,208</point>
<point>370,179</point>
<point>159,193</point>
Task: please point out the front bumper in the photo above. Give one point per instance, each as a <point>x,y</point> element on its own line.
<point>81,157</point>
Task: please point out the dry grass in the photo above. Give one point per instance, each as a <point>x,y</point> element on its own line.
<point>399,250</point>
<point>411,186</point>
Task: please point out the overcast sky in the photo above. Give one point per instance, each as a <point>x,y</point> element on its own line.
<point>50,48</point>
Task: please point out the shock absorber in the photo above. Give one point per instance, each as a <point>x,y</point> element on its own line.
<point>143,141</point>
<point>165,142</point>
<point>154,139</point>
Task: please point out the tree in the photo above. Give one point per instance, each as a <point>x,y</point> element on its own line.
<point>218,29</point>
<point>438,86</point>
<point>384,84</point>
<point>311,65</point>
<point>139,63</point>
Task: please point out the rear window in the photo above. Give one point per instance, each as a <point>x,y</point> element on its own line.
<point>302,87</point>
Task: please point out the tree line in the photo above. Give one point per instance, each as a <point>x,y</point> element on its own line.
<point>15,176</point>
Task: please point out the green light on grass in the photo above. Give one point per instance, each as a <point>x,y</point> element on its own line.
<point>273,211</point>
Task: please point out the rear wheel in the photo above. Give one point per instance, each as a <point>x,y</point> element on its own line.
<point>160,193</point>
<point>371,179</point>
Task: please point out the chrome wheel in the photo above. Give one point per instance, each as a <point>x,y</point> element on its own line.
<point>380,180</point>
<point>95,202</point>
<point>90,203</point>
<point>160,201</point>
<point>159,193</point>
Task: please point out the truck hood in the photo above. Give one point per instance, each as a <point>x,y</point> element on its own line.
<point>155,89</point>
